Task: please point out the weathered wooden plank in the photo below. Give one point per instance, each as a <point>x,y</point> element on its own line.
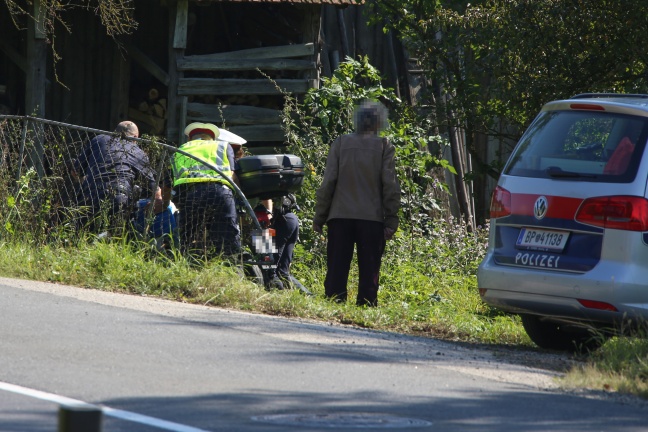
<point>259,132</point>
<point>180,32</point>
<point>35,88</point>
<point>284,51</point>
<point>311,32</point>
<point>120,87</point>
<point>233,86</point>
<point>189,63</point>
<point>40,12</point>
<point>232,114</point>
<point>149,65</point>
<point>36,73</point>
<point>173,133</point>
<point>183,119</point>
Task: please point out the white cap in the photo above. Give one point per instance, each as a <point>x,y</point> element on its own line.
<point>231,137</point>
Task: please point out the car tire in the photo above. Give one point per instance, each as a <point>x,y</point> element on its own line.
<point>561,337</point>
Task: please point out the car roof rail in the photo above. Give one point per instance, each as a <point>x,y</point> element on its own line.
<point>603,95</point>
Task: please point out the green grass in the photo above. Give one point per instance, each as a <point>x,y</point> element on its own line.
<point>620,365</point>
<point>429,290</point>
<point>425,294</point>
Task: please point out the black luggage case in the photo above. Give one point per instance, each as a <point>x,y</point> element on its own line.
<point>270,176</point>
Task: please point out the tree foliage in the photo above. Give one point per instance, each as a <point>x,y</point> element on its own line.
<point>494,63</point>
<point>327,112</point>
<point>115,15</point>
<point>49,15</point>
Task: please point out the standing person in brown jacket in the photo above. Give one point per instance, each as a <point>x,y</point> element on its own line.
<point>358,200</point>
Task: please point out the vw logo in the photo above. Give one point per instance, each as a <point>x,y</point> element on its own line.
<point>540,207</point>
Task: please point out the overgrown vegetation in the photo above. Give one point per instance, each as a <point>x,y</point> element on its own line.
<point>620,365</point>
<point>428,271</point>
<point>428,284</point>
<point>490,65</point>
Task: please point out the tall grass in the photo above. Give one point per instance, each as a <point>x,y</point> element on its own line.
<point>427,293</point>
<point>620,365</point>
<point>428,277</point>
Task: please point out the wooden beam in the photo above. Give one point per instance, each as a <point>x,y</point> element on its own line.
<point>39,19</point>
<point>260,132</point>
<point>210,86</point>
<point>173,132</point>
<point>232,114</point>
<point>183,101</point>
<point>285,51</point>
<point>145,61</point>
<point>188,63</point>
<point>312,24</point>
<point>36,88</point>
<point>121,68</point>
<point>182,18</point>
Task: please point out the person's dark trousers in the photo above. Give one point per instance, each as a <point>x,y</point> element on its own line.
<point>209,223</point>
<point>286,235</point>
<point>343,235</point>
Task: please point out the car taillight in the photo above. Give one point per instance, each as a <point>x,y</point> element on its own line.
<point>593,304</point>
<point>500,203</point>
<point>615,212</point>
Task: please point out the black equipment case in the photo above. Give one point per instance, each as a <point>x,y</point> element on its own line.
<point>270,176</point>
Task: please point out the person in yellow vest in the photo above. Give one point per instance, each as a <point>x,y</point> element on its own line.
<point>208,221</point>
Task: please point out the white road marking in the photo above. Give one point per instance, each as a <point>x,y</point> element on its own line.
<point>120,414</point>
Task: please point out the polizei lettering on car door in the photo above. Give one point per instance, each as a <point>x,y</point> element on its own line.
<point>532,259</point>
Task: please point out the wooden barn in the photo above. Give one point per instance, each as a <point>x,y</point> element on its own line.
<point>187,60</point>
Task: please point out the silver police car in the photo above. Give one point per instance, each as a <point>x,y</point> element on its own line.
<point>568,246</point>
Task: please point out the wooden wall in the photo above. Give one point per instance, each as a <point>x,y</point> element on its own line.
<point>13,65</point>
<point>231,61</point>
<point>96,83</point>
<point>345,32</point>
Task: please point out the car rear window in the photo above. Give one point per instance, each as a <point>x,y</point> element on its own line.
<point>581,145</point>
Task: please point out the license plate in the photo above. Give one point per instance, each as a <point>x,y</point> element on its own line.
<point>263,241</point>
<point>541,239</point>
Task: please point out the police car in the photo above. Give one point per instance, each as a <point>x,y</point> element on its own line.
<point>568,246</point>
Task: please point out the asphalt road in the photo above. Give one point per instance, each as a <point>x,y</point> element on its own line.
<point>153,365</point>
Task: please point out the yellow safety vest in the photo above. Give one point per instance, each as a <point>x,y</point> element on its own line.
<point>188,170</point>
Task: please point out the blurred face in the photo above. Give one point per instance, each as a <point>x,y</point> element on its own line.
<point>238,150</point>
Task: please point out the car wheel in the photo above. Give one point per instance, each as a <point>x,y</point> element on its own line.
<point>561,337</point>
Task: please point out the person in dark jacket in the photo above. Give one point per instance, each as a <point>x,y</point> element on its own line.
<point>358,200</point>
<point>114,173</point>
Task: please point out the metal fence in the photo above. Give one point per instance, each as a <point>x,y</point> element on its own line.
<point>47,201</point>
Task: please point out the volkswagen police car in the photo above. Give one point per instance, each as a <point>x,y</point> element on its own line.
<point>568,246</point>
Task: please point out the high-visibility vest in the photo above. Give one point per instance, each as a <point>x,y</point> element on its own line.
<point>188,170</point>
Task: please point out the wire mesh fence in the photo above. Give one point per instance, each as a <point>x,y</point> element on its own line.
<point>64,183</point>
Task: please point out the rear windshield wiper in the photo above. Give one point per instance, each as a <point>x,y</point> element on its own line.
<point>557,172</point>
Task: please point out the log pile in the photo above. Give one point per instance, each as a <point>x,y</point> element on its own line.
<point>150,114</point>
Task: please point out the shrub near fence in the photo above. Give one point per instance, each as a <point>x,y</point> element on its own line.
<point>42,199</point>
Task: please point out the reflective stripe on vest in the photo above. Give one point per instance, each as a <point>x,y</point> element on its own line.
<point>189,170</point>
